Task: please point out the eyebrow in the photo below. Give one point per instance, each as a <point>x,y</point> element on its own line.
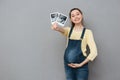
<point>75,13</point>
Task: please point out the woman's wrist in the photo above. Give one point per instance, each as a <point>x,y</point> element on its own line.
<point>84,62</point>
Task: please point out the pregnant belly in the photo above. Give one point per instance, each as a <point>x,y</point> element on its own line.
<point>72,56</point>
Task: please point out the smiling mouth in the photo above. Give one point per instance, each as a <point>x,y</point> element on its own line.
<point>77,19</point>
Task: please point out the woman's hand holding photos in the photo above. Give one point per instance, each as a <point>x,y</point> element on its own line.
<point>57,28</point>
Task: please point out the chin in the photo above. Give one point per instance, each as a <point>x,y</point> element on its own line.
<point>77,22</point>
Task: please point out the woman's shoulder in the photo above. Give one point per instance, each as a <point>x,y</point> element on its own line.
<point>88,30</point>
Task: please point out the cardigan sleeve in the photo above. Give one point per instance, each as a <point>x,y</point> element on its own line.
<point>66,31</point>
<point>91,43</point>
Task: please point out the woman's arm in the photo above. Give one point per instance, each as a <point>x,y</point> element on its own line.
<point>92,45</point>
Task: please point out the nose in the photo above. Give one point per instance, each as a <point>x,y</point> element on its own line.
<point>76,17</point>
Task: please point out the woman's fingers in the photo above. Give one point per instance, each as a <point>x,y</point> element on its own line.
<point>74,65</point>
<point>54,26</point>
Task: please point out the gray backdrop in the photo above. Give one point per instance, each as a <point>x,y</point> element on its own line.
<point>30,50</point>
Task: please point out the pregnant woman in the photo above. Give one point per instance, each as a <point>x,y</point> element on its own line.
<point>78,37</point>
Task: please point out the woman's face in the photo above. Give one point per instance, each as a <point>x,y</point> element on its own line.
<point>76,17</point>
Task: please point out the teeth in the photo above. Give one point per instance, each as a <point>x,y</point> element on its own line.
<point>76,19</point>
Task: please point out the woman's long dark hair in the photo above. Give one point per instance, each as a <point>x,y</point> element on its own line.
<point>70,16</point>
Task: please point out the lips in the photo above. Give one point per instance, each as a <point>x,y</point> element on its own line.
<point>77,19</point>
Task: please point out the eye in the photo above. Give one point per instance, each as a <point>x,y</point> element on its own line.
<point>72,15</point>
<point>78,14</point>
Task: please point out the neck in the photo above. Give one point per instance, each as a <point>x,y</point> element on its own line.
<point>78,26</point>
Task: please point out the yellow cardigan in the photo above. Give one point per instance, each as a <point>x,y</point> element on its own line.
<point>88,39</point>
